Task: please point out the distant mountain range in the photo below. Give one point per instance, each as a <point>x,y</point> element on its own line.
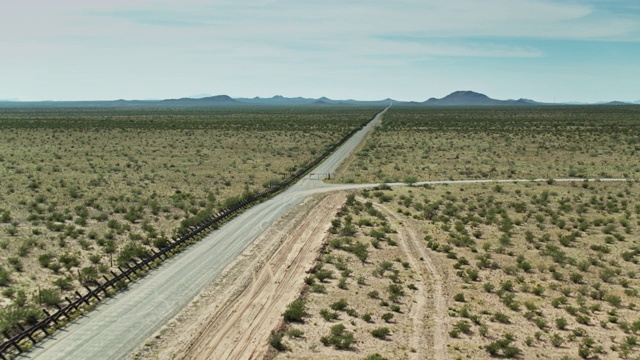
<point>458,98</point>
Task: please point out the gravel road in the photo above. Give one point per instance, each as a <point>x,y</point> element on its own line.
<point>120,324</point>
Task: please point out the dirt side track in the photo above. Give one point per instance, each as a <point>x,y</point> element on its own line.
<point>431,306</point>
<point>233,319</point>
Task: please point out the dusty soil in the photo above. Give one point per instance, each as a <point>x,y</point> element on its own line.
<point>66,207</point>
<point>420,322</point>
<point>552,275</point>
<point>233,318</point>
<point>429,313</point>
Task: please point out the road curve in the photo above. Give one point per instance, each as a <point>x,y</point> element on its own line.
<point>121,323</point>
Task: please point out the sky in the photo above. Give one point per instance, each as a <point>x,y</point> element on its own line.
<point>545,50</point>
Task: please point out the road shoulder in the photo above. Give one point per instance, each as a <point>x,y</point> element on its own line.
<point>237,312</point>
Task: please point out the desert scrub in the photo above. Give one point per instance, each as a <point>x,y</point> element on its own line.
<point>295,311</point>
<point>554,284</point>
<point>94,188</point>
<point>338,337</point>
<point>375,304</point>
<point>495,143</point>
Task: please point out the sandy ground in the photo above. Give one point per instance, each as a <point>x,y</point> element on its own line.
<point>429,312</point>
<point>234,317</point>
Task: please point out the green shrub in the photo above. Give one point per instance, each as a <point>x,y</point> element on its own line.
<point>367,317</point>
<point>324,274</point>
<point>348,230</point>
<point>45,259</point>
<point>375,356</point>
<point>276,342</point>
<point>131,251</point>
<point>503,348</point>
<point>387,317</point>
<point>5,277</point>
<point>295,311</point>
<point>68,260</point>
<point>459,297</point>
<point>463,326</point>
<point>338,337</point>
<point>88,274</point>
<point>556,340</point>
<point>342,283</point>
<point>16,313</point>
<point>561,323</point>
<point>483,330</point>
<point>16,264</point>
<point>339,305</point>
<point>95,258</point>
<point>294,333</point>
<point>380,333</point>
<point>501,318</point>
<point>318,288</point>
<point>328,315</point>
<point>49,296</point>
<point>63,283</point>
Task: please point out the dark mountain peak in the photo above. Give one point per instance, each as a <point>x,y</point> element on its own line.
<point>472,98</point>
<point>218,98</point>
<point>466,94</point>
<point>278,97</point>
<point>616,103</point>
<point>324,99</point>
<point>222,100</point>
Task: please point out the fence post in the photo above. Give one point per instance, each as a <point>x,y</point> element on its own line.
<point>44,329</point>
<point>104,286</point>
<point>91,292</point>
<point>144,262</point>
<point>22,329</point>
<point>82,298</point>
<point>60,312</point>
<point>13,343</point>
<point>71,303</point>
<point>52,318</point>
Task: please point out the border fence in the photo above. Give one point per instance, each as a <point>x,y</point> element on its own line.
<point>16,338</point>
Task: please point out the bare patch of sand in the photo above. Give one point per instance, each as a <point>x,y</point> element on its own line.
<point>428,341</point>
<point>234,317</point>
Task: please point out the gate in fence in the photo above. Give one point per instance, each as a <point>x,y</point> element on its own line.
<point>321,176</point>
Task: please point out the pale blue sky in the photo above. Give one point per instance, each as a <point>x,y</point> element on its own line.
<point>546,50</point>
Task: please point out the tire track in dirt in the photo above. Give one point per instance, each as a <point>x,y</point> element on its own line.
<point>411,244</point>
<point>241,328</point>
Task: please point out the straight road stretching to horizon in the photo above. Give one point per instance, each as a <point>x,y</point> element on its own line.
<point>121,323</point>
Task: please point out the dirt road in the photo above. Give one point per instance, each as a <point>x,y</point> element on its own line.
<point>120,324</point>
<point>430,311</point>
<point>240,329</point>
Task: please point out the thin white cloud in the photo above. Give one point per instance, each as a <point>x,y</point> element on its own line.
<point>482,50</point>
<point>231,40</point>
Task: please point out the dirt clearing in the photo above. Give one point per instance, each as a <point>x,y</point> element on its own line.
<point>430,303</point>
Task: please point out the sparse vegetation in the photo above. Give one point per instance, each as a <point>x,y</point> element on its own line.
<point>530,267</point>
<point>87,190</point>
